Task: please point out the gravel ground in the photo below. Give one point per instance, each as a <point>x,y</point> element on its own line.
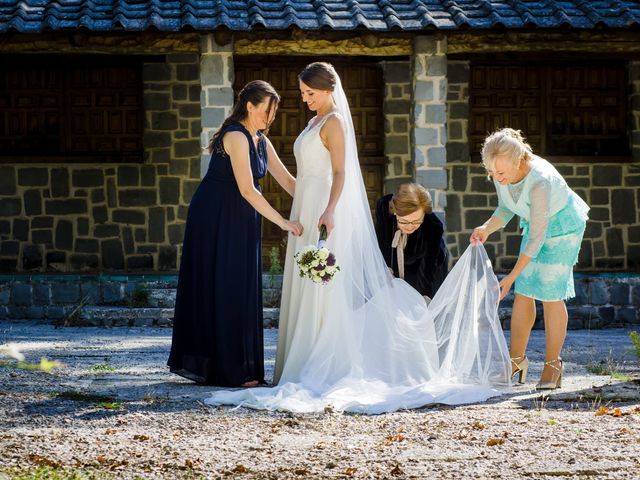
<point>112,410</point>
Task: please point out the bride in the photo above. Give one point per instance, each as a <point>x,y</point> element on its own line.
<point>366,342</point>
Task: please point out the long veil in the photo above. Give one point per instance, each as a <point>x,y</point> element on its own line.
<point>380,348</point>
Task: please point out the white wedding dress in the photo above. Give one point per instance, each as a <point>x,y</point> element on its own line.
<point>367,342</point>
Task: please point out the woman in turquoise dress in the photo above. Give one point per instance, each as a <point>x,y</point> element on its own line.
<point>553,220</point>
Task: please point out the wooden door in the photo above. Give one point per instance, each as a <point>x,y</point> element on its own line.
<point>362,81</point>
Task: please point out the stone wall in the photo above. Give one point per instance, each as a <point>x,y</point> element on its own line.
<point>430,116</point>
<point>113,217</point>
<point>612,238</point>
<point>397,123</point>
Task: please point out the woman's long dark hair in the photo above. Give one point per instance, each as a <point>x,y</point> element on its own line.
<point>256,91</point>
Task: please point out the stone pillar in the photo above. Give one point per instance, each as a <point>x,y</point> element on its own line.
<point>397,115</point>
<point>216,98</point>
<point>634,110</point>
<point>430,116</point>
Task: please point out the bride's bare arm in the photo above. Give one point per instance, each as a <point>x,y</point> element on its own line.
<point>332,135</point>
<point>279,171</point>
<point>237,146</point>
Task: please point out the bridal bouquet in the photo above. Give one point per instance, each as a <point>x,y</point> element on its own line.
<point>316,262</point>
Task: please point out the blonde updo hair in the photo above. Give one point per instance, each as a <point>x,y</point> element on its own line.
<point>408,198</point>
<point>506,141</point>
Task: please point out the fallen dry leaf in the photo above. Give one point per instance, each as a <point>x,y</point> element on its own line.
<point>478,426</point>
<point>350,471</point>
<point>494,441</point>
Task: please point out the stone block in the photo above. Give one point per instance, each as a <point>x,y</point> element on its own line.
<point>100,214</point>
<point>91,291</point>
<point>167,258</point>
<point>112,254</point>
<point>5,294</point>
<point>156,72</point>
<point>20,228</point>
<point>5,227</point>
<point>148,175</point>
<point>35,313</point>
<point>476,216</point>
<point>64,235</point>
<point>455,131</point>
<point>82,226</point>
<point>128,176</point>
<point>7,181</point>
<point>10,207</point>
<point>112,193</point>
<point>437,65</point>
<point>458,72</point>
<point>585,256</point>
<point>598,292</point>
<point>398,107</point>
<point>139,197</point>
<point>59,182</point>
<point>33,177</point>
<point>71,206</point>
<point>189,187</point>
<point>187,148</point>
<point>212,70</point>
<point>84,263</point>
<point>607,175</point>
<point>432,178</point>
<point>436,113</point>
<point>161,155</point>
<point>437,157</point>
<point>623,206</point>
<point>179,92</point>
<point>176,234</point>
<point>425,136</point>
<point>599,196</point>
<point>482,185</point>
<point>22,296</point>
<point>9,247</point>
<point>620,294</point>
<point>424,91</point>
<point>42,237</point>
<point>164,121</point>
<point>397,145</point>
<point>615,242</point>
<point>65,293</point>
<point>153,139</point>
<point>459,111</point>
<point>42,222</point>
<point>55,313</point>
<point>453,213</point>
<point>458,152</point>
<point>425,45</point>
<point>140,262</point>
<point>106,231</point>
<point>397,72</point>
<point>127,240</point>
<point>156,224</point>
<point>8,265</point>
<point>212,117</point>
<point>112,292</point>
<point>88,177</point>
<point>31,257</point>
<point>627,315</point>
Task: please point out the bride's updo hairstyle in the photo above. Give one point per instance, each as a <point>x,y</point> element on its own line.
<point>319,75</point>
<point>408,198</point>
<point>256,92</point>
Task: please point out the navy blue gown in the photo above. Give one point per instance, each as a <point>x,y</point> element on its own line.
<point>217,326</point>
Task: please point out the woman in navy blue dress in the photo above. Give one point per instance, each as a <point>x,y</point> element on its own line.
<point>217,329</point>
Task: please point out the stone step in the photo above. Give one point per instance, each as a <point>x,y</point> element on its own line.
<point>166,297</point>
<point>98,316</point>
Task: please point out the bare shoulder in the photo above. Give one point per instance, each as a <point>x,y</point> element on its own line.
<point>334,125</point>
<point>235,142</point>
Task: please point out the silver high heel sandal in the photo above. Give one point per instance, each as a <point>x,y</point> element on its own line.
<point>522,367</point>
<point>554,383</point>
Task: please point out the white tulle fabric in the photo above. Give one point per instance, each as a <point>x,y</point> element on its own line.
<point>367,342</point>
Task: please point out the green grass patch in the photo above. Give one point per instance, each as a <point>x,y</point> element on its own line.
<point>83,397</point>
<point>53,473</point>
<point>102,367</point>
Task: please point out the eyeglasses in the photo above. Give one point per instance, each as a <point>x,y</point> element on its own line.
<point>407,223</point>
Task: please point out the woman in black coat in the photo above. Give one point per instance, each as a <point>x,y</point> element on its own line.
<point>410,237</point>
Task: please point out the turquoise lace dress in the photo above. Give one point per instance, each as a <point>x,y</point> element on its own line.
<point>553,219</point>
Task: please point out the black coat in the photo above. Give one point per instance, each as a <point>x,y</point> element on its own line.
<point>426,256</point>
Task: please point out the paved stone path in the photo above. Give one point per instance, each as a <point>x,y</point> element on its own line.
<point>114,411</point>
